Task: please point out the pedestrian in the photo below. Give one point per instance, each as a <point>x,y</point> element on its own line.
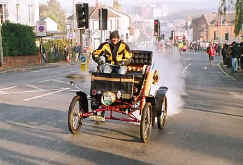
<point>241,53</point>
<point>56,51</point>
<point>77,51</point>
<point>235,56</point>
<point>43,53</point>
<point>219,49</point>
<point>211,53</point>
<point>224,53</point>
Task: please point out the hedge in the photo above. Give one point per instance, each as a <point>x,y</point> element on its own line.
<point>18,40</point>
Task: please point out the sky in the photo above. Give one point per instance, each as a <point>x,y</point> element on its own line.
<point>172,4</point>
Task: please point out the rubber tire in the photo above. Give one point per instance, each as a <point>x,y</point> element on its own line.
<point>146,113</point>
<point>162,115</point>
<point>74,131</point>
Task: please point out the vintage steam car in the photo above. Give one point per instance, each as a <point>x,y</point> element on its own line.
<point>136,90</point>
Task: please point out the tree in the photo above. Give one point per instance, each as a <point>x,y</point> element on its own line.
<point>53,10</point>
<point>238,7</point>
<point>116,4</point>
<point>238,16</point>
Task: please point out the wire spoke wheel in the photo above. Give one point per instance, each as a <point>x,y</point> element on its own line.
<point>146,123</point>
<point>162,115</point>
<point>75,115</point>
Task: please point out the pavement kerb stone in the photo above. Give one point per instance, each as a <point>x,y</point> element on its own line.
<point>31,67</point>
<point>234,76</point>
<point>220,65</point>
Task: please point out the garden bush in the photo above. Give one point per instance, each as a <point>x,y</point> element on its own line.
<point>18,40</point>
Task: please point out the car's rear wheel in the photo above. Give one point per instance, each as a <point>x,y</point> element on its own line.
<point>162,114</point>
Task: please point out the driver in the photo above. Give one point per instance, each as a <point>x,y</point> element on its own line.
<point>115,51</point>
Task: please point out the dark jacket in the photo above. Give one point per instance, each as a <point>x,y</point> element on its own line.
<point>236,51</point>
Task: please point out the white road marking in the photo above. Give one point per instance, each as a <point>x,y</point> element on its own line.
<point>44,81</point>
<point>3,93</point>
<point>59,81</point>
<point>34,91</point>
<point>35,87</point>
<point>47,94</point>
<point>35,71</point>
<point>185,69</point>
<point>8,88</point>
<point>225,73</point>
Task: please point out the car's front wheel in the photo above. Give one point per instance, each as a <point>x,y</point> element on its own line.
<point>75,115</point>
<point>146,123</point>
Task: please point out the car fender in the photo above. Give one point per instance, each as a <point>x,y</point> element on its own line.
<point>83,100</point>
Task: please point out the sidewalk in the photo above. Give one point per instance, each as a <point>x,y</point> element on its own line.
<point>237,76</point>
<point>30,67</point>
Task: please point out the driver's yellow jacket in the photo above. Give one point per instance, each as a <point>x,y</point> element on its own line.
<point>113,54</point>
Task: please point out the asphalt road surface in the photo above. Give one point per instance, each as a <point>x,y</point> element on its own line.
<point>208,129</point>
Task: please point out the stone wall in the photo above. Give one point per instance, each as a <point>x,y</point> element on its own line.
<point>20,61</point>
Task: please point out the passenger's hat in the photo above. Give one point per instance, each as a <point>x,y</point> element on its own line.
<point>114,34</point>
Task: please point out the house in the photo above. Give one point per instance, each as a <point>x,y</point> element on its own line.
<point>211,27</point>
<point>51,25</point>
<point>19,11</point>
<point>117,20</point>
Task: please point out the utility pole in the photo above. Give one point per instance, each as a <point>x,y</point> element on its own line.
<point>1,47</point>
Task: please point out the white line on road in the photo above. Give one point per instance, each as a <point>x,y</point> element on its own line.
<point>225,73</point>
<point>57,81</point>
<point>3,93</point>
<point>60,81</point>
<point>47,94</point>
<point>186,68</point>
<point>8,88</point>
<point>36,71</point>
<point>44,81</point>
<point>35,87</point>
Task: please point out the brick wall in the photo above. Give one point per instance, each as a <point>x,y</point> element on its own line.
<point>20,61</point>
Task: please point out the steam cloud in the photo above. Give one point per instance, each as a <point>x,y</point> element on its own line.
<point>170,70</point>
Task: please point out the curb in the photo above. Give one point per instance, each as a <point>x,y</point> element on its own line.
<point>28,68</point>
<point>225,73</point>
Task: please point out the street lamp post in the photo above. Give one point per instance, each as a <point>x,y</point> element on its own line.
<point>17,10</point>
<point>1,47</point>
<point>30,10</point>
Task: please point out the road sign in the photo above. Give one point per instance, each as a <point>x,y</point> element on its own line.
<point>41,29</point>
<point>83,60</point>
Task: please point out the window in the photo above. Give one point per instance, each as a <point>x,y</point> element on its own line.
<point>226,36</point>
<point>215,36</point>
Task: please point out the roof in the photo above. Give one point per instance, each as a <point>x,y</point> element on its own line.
<point>214,18</point>
<point>211,18</point>
<point>94,14</point>
<point>47,19</point>
<point>119,12</point>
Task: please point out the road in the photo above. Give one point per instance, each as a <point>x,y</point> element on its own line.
<point>206,130</point>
